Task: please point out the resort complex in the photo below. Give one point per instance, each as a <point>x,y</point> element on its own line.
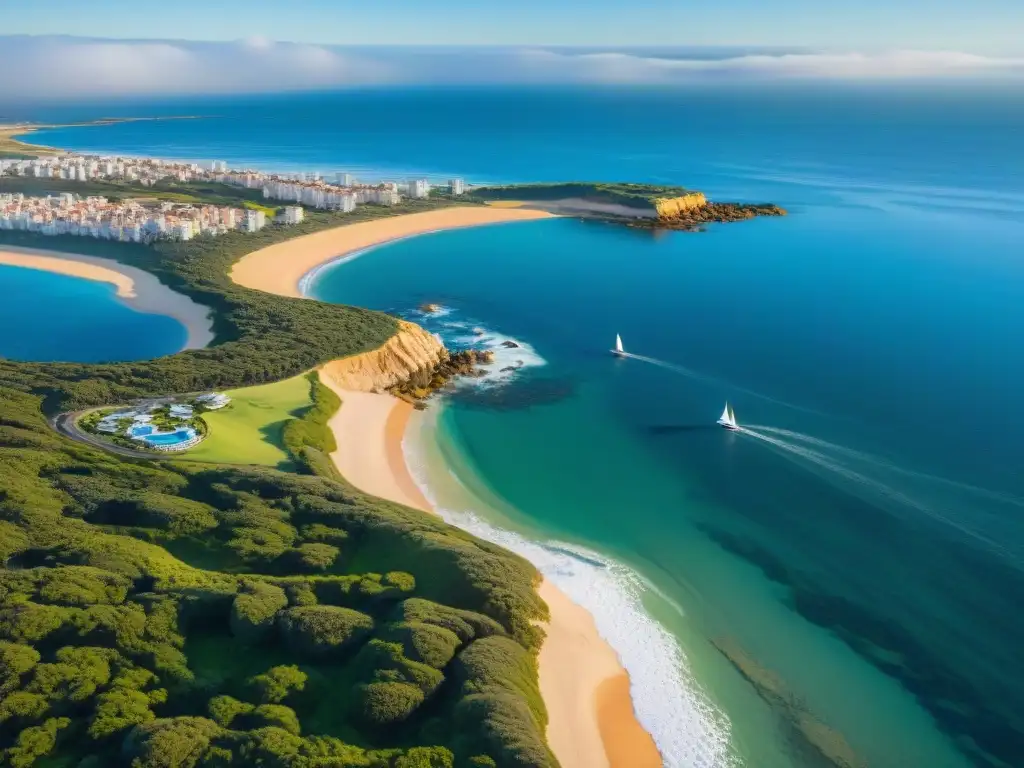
<point>159,425</point>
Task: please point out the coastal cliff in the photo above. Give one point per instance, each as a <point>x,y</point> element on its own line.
<point>671,207</point>
<point>410,353</point>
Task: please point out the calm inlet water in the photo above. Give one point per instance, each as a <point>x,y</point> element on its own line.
<point>837,584</point>
<point>46,316</point>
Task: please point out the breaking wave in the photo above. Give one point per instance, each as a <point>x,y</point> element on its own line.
<point>688,730</point>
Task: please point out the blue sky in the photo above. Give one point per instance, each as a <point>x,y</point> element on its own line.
<point>976,26</point>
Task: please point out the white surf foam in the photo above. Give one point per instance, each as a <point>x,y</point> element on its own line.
<point>458,332</point>
<point>688,730</point>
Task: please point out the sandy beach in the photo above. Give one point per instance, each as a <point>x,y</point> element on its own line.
<point>586,690</point>
<point>138,289</point>
<point>280,268</point>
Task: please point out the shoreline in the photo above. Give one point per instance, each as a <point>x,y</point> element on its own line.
<point>286,269</point>
<point>136,288</point>
<point>591,719</point>
<point>12,143</point>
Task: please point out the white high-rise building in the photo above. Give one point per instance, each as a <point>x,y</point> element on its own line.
<point>346,180</point>
<point>254,220</point>
<point>293,214</point>
<point>419,188</point>
<point>457,187</point>
<point>183,231</point>
<point>219,166</point>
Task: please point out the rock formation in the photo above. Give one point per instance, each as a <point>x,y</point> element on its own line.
<point>410,353</point>
<point>670,207</point>
<point>412,364</point>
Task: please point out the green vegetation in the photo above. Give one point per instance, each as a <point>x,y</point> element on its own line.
<point>309,438</point>
<point>251,429</point>
<point>166,614</point>
<point>270,211</point>
<point>633,195</point>
<point>180,614</point>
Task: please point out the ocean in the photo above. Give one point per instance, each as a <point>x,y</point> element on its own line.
<point>838,584</point>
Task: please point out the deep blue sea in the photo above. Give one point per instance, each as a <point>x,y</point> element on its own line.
<point>840,583</point>
<point>46,317</point>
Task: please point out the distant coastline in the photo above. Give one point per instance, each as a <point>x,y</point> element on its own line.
<point>137,288</point>
<point>12,146</point>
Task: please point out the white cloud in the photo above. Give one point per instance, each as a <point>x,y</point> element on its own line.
<point>626,68</point>
<point>68,67</point>
<point>81,68</point>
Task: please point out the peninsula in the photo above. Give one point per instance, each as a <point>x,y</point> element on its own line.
<point>637,205</point>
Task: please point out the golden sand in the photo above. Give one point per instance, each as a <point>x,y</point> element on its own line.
<point>591,723</point>
<point>280,268</point>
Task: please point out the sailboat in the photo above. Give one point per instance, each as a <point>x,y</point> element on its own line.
<point>728,418</point>
<point>618,346</point>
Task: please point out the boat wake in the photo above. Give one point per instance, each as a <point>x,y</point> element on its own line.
<point>863,475</point>
<point>867,458</point>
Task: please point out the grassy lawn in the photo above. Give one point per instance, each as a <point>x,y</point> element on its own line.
<point>268,210</point>
<point>248,431</point>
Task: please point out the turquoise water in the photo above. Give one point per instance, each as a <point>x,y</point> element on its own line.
<point>151,436</point>
<point>852,545</point>
<point>46,316</point>
<point>840,582</point>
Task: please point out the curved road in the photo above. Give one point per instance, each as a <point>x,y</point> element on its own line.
<point>65,424</point>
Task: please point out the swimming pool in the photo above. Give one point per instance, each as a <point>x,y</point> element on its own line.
<point>151,436</point>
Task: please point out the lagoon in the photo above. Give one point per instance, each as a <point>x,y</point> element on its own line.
<point>51,317</point>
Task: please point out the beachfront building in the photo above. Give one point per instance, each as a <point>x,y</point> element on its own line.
<point>128,220</point>
<point>254,221</point>
<point>457,187</point>
<point>419,188</point>
<point>213,401</point>
<point>311,194</point>
<point>381,195</point>
<point>293,214</point>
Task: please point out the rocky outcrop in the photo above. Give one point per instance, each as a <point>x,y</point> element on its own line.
<point>453,365</point>
<point>694,219</point>
<point>672,207</point>
<point>411,354</point>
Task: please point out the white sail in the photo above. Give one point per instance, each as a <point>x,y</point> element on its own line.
<point>618,343</point>
<point>726,417</point>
